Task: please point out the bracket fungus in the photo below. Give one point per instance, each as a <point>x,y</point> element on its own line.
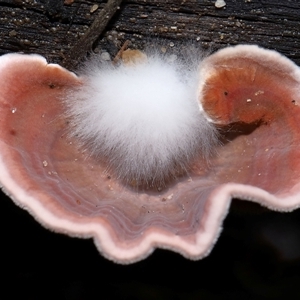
<point>247,104</point>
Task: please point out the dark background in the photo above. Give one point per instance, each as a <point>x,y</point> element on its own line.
<point>258,253</point>
<point>256,257</point>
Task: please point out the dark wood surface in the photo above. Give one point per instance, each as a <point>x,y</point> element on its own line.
<point>51,28</point>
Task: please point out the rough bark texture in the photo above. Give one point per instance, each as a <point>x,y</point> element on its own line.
<point>52,27</point>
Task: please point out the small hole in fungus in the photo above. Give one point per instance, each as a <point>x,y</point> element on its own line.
<point>12,132</point>
<point>225,93</point>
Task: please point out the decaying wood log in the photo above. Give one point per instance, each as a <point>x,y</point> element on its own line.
<point>52,27</point>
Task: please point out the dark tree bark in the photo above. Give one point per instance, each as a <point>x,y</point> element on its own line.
<point>51,27</point>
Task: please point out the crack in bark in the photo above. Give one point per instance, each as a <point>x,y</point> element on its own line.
<point>85,44</point>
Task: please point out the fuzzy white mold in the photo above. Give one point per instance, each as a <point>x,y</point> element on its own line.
<point>143,118</point>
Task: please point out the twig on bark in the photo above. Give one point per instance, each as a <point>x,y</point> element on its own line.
<point>85,44</point>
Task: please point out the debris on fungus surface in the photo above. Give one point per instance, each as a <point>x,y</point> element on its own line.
<point>148,154</point>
